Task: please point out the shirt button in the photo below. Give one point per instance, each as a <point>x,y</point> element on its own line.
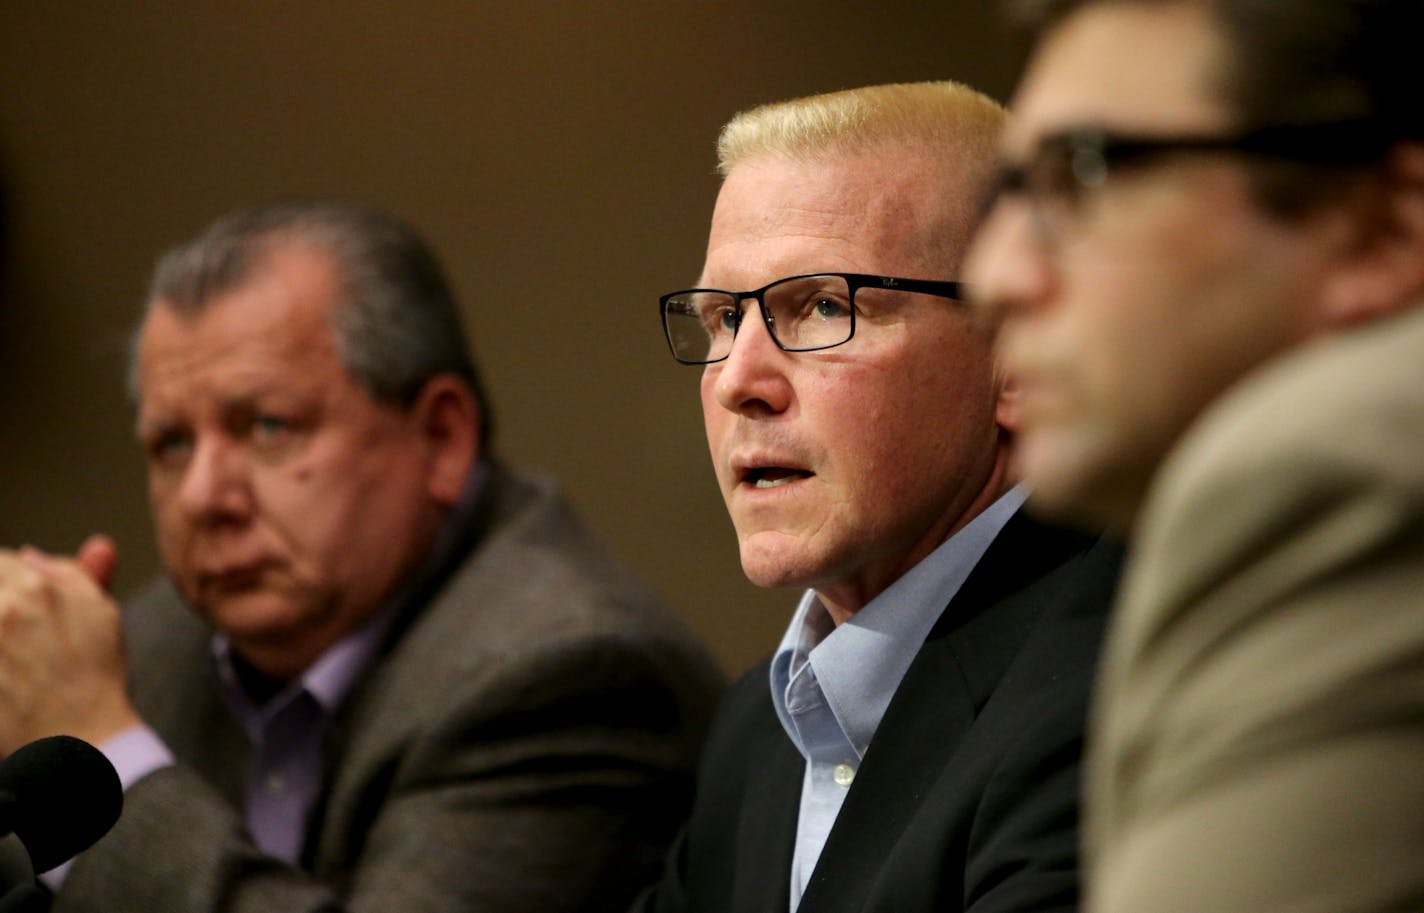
<point>276,783</point>
<point>843,775</point>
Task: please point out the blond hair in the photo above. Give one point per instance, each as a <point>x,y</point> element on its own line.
<point>944,118</point>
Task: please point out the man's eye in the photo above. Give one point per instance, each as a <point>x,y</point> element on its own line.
<point>1058,177</point>
<point>1010,181</point>
<point>170,447</point>
<point>270,426</point>
<point>721,320</point>
<point>830,308</point>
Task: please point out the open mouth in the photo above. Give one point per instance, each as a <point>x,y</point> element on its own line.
<point>773,476</point>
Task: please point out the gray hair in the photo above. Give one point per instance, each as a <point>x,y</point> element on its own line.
<point>398,325</point>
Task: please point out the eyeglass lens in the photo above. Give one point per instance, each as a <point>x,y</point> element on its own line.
<point>802,313</point>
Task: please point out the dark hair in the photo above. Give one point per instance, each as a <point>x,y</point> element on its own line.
<point>1302,61</point>
<point>398,325</point>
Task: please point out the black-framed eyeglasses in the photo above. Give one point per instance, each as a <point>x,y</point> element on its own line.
<point>802,313</point>
<point>1064,166</point>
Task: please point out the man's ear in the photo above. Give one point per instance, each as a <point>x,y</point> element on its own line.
<point>1383,272</point>
<point>447,418</point>
<point>1008,412</point>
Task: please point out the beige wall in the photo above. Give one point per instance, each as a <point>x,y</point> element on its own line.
<point>558,155</point>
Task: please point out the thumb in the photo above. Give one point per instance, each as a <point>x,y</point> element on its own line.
<point>98,556</point>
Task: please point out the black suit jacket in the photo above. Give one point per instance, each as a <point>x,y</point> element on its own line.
<point>967,798</point>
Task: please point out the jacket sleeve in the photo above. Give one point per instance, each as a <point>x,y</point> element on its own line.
<point>555,787</point>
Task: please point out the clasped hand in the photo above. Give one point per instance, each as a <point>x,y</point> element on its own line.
<point>63,669</point>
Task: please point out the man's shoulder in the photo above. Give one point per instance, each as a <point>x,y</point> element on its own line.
<point>535,570</point>
<point>1352,400</point>
<point>970,784</point>
<point>1024,631</point>
<point>1336,423</point>
<point>536,598</point>
<point>1034,572</point>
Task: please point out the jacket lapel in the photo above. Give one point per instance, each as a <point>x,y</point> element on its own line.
<point>767,826</point>
<point>976,638</point>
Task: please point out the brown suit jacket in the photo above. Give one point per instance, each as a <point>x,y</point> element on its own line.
<point>1258,744</point>
<point>524,742</point>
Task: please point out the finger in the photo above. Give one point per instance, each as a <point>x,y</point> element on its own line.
<point>52,581</point>
<point>99,556</point>
<point>25,598</point>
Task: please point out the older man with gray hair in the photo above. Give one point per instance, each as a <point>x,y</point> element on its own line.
<point>385,672</point>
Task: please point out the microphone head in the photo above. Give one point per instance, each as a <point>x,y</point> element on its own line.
<point>63,795</point>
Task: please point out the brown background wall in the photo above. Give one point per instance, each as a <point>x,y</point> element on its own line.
<point>558,154</point>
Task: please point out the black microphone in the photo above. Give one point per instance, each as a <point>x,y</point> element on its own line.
<point>58,795</point>
<point>27,898</point>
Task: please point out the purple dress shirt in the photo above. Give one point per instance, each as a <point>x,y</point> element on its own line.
<point>285,731</point>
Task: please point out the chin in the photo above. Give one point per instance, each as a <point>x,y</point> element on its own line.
<point>776,561</point>
<point>251,615</point>
<point>1090,495</point>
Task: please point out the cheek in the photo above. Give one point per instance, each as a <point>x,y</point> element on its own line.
<point>1114,328</point>
<point>717,424</point>
<point>713,415</point>
<point>324,498</point>
<point>308,495</point>
<point>300,500</point>
<point>720,427</point>
<point>1112,352</point>
<point>950,390</point>
<point>170,528</point>
<point>1155,297</point>
<point>917,426</point>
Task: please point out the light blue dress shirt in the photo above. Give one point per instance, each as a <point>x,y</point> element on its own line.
<point>830,685</point>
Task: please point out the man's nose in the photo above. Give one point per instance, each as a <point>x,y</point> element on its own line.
<point>1008,267</point>
<point>752,379</point>
<point>216,484</point>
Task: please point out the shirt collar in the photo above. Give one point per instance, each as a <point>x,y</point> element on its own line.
<point>861,663</point>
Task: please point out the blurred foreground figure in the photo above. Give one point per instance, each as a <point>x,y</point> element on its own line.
<point>1207,252</point>
<point>914,743</point>
<point>386,672</point>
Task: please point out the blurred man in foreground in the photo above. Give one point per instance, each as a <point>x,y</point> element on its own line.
<point>1207,253</point>
<point>386,672</point>
<point>914,743</point>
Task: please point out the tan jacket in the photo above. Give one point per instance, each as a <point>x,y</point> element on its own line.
<point>1258,742</point>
